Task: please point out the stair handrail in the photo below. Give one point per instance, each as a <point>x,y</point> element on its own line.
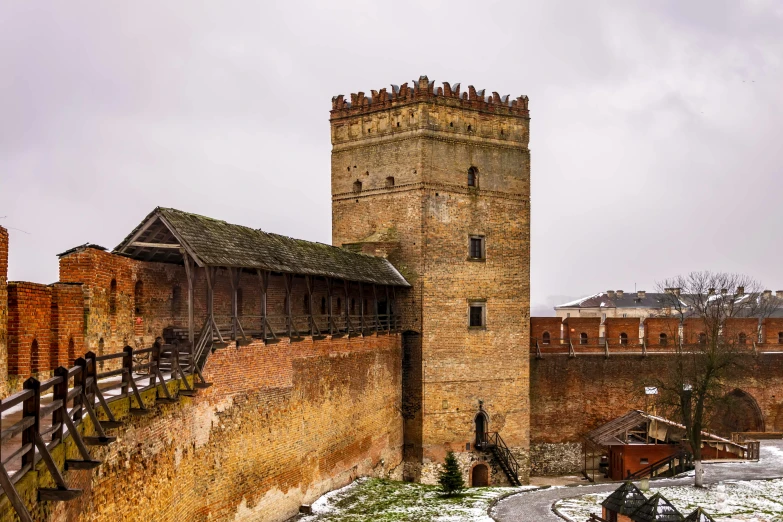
<point>651,468</point>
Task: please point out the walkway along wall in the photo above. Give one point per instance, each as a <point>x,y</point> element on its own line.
<point>281,425</point>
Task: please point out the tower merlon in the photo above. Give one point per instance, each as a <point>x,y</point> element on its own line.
<point>424,90</point>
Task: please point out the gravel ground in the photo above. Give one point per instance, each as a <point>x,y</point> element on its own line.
<point>536,506</point>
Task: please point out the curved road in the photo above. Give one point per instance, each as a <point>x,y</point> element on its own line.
<point>536,506</point>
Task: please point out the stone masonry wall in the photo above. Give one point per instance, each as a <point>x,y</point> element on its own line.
<point>282,424</point>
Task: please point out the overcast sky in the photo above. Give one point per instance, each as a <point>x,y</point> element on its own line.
<point>655,134</point>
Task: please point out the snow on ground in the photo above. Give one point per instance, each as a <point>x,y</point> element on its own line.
<point>729,501</point>
<point>385,500</point>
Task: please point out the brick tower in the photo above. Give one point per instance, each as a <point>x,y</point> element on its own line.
<point>439,181</point>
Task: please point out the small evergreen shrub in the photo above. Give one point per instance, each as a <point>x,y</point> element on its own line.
<point>451,476</point>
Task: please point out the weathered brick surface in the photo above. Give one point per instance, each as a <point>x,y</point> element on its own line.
<point>400,186</point>
<point>574,327</point>
<point>3,310</point>
<point>281,425</point>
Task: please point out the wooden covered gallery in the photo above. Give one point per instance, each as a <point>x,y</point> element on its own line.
<point>242,283</point>
<point>639,444</point>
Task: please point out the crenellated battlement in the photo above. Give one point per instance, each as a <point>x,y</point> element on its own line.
<point>424,90</point>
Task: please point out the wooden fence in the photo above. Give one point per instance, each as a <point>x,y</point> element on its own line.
<point>37,419</point>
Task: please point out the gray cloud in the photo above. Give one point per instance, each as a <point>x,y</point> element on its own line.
<point>655,126</point>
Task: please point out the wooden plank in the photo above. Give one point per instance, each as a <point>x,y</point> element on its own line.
<point>140,244</point>
<point>13,495</point>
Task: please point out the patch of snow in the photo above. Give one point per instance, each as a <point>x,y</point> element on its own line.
<point>730,501</point>
<point>579,301</point>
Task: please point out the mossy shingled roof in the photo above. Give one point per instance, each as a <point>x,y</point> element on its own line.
<point>218,243</point>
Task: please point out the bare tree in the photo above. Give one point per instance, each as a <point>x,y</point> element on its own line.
<point>705,304</point>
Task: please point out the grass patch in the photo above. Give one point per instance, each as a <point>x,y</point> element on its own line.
<point>382,500</point>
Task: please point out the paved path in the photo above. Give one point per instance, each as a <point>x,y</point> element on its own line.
<point>536,506</point>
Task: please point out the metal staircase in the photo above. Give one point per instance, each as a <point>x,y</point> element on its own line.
<point>493,442</point>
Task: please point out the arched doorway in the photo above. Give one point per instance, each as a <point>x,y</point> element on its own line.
<point>738,412</point>
<point>479,476</point>
<point>482,422</point>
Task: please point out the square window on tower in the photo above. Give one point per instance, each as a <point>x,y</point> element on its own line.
<point>477,316</point>
<point>476,247</point>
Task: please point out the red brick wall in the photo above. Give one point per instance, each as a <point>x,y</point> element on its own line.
<point>282,424</point>
<point>655,326</point>
<point>29,328</point>
<point>67,324</point>
<point>773,328</point>
<point>571,396</point>
<point>3,310</point>
<point>539,325</point>
<point>614,326</point>
<point>692,328</point>
<point>734,327</point>
<point>573,327</point>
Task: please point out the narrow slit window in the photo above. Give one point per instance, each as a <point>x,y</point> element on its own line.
<point>476,248</point>
<point>476,315</point>
<point>663,340</point>
<point>546,338</point>
<point>624,339</point>
<point>323,306</point>
<point>473,177</point>
<point>390,182</point>
<point>357,186</point>
<point>583,338</point>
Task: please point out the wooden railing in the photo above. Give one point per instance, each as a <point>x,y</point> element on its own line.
<point>683,463</point>
<point>34,421</point>
<point>492,441</point>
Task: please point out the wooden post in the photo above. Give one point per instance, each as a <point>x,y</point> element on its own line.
<point>190,274</point>
<point>31,408</point>
<point>211,273</point>
<point>127,365</point>
<point>346,308</point>
<point>329,304</point>
<point>264,276</point>
<point>311,319</point>
<point>80,379</point>
<point>375,306</point>
<point>288,279</point>
<point>60,393</point>
<point>234,307</point>
<point>361,306</point>
<point>388,309</point>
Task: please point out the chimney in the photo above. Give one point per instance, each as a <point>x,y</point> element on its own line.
<point>619,293</point>
<point>677,291</point>
<point>711,291</point>
<point>740,290</point>
<point>724,291</point>
<point>766,294</point>
<point>779,293</point>
<point>640,294</point>
<point>610,293</point>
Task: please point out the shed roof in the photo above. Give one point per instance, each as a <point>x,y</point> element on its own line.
<point>699,515</point>
<point>657,509</point>
<point>609,434</point>
<point>211,242</point>
<point>624,500</point>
